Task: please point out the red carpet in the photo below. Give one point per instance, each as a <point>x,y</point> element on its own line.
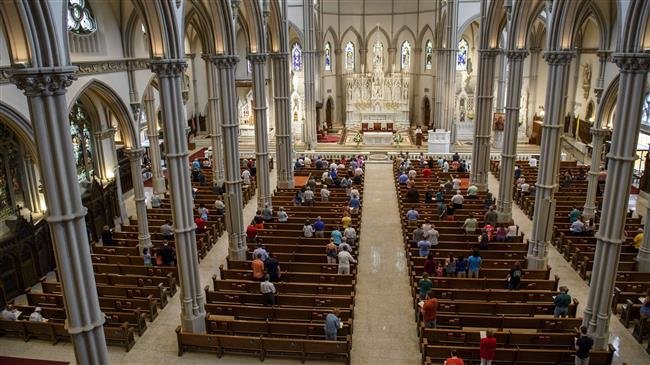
<point>330,138</point>
<point>300,181</point>
<point>4,360</point>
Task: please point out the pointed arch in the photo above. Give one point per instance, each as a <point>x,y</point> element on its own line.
<point>422,37</point>
<point>403,29</point>
<point>359,39</point>
<point>466,24</point>
<point>335,39</point>
<point>293,28</point>
<point>634,36</point>
<point>607,106</point>
<point>20,126</point>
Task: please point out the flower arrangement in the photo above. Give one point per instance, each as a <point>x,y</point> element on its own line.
<point>397,138</point>
<point>358,138</point>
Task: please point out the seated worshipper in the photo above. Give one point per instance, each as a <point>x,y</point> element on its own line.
<point>489,201</point>
<point>146,257</point>
<point>412,174</point>
<point>107,236</point>
<point>483,240</point>
<point>517,172</point>
<point>577,228</point>
<point>354,192</point>
<point>329,180</point>
<point>336,236</point>
<point>574,214</point>
<point>350,235</point>
<point>10,313</point>
<point>196,165</point>
<point>566,179</point>
<point>201,226</point>
<point>206,162</point>
<point>424,246</point>
<point>261,252</point>
<point>354,205</point>
<point>268,291</point>
<point>425,284</point>
<point>638,239</point>
<point>644,311</point>
<point>346,220</point>
<point>455,182</point>
<point>448,186</point>
<point>455,165</point>
<point>490,217</point>
<point>200,178</point>
<point>412,215</point>
<point>246,176</point>
<point>512,231</point>
<point>489,229</point>
<point>258,268</point>
<point>501,233</point>
<point>345,258</point>
<point>520,181</point>
<point>251,233</point>
<point>403,179</point>
<point>167,231</point>
<point>272,267</point>
<point>308,230</point>
<point>319,227</point>
<point>449,213</point>
<point>461,267</point>
<point>450,266</point>
<point>308,197</point>
<point>168,254</point>
<point>297,199</point>
<point>36,316</point>
<point>219,206</point>
<point>155,201</point>
<point>470,224</point>
<point>428,195</point>
<point>332,252</point>
<point>410,184</point>
<point>524,188</point>
<point>429,310</point>
<point>203,212</point>
<point>430,265</point>
<point>412,195</point>
<point>282,215</point>
<point>267,213</point>
<point>514,277</point>
<point>332,324</point>
<point>472,192</point>
<point>474,264</point>
<point>457,200</point>
<point>454,359</point>
<point>426,172</point>
<point>358,171</point>
<point>324,194</point>
<point>562,302</point>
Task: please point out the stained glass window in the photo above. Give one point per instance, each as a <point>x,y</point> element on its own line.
<point>406,55</point>
<point>349,56</point>
<point>11,192</point>
<point>328,56</point>
<point>80,17</point>
<point>249,66</point>
<point>378,55</point>
<point>296,57</point>
<point>461,58</point>
<point>81,142</point>
<point>645,112</point>
<point>428,55</point>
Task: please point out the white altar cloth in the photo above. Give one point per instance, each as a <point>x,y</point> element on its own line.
<point>377,138</point>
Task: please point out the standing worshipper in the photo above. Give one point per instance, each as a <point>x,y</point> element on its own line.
<point>345,258</point>
<point>488,348</point>
<point>319,227</point>
<point>268,291</point>
<point>418,137</point>
<point>332,324</point>
<point>583,345</point>
<point>429,310</point>
<point>514,277</point>
<point>562,302</point>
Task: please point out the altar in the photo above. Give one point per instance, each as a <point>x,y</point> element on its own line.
<point>377,138</point>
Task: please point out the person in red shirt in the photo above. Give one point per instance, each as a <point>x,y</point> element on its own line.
<point>258,268</point>
<point>426,172</point>
<point>454,359</point>
<point>251,233</point>
<point>429,310</point>
<point>200,225</point>
<point>488,348</point>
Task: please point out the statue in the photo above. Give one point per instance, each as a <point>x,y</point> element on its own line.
<point>586,79</point>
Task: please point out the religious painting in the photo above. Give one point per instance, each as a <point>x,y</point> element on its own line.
<point>499,122</point>
<point>461,56</point>
<point>428,55</point>
<point>328,56</point>
<point>349,56</point>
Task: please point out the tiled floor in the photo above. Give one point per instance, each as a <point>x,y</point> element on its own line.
<point>384,327</point>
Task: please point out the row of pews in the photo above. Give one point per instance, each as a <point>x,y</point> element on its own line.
<point>522,320</point>
<point>308,289</point>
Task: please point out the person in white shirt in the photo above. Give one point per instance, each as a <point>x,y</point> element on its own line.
<point>358,171</point>
<point>458,200</point>
<point>532,162</point>
<point>350,235</point>
<point>155,201</point>
<point>354,193</point>
<point>456,183</point>
<point>525,187</point>
<point>324,176</point>
<point>345,258</point>
<point>282,215</point>
<point>219,206</point>
<point>432,236</point>
<point>512,231</point>
<point>36,316</point>
<point>324,193</point>
<point>268,291</point>
<point>308,197</point>
<point>246,176</point>
<point>445,166</point>
<point>307,161</point>
<point>333,166</point>
<point>308,230</point>
<point>412,174</point>
<point>9,313</point>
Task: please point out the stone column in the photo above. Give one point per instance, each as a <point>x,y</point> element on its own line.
<point>309,72</point>
<point>214,121</point>
<point>158,179</point>
<point>261,130</point>
<point>483,127</point>
<point>544,213</point>
<point>170,79</point>
<point>633,71</point>
<point>233,197</point>
<point>98,138</point>
<point>449,81</point>
<point>45,90</point>
<point>509,153</point>
<point>501,83</point>
<point>124,217</point>
<point>414,102</point>
<point>532,87</point>
<point>283,141</point>
<point>135,159</point>
<point>31,192</point>
<point>597,141</point>
<point>340,85</point>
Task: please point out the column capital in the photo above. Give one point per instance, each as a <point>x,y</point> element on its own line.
<point>632,62</point>
<point>105,134</point>
<point>603,55</point>
<point>207,57</point>
<point>134,154</point>
<point>257,57</point>
<point>44,81</point>
<point>516,54</point>
<point>558,57</point>
<point>599,132</point>
<point>489,52</point>
<point>225,60</point>
<point>278,55</point>
<point>168,67</point>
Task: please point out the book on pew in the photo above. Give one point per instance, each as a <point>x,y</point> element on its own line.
<point>642,300</point>
<point>483,334</point>
<point>421,303</point>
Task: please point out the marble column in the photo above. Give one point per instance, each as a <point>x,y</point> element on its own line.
<point>633,69</point>
<point>309,72</point>
<point>170,78</point>
<point>283,141</point>
<point>45,90</point>
<point>31,190</point>
<point>547,176</point>
<point>135,159</point>
<point>214,122</point>
<point>483,126</point>
<point>233,197</point>
<point>258,62</point>
<point>515,59</point>
<point>157,177</point>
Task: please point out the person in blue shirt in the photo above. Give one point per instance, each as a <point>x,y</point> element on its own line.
<point>424,247</point>
<point>332,324</point>
<point>355,204</point>
<point>412,215</point>
<point>337,236</point>
<point>461,267</point>
<point>333,174</point>
<point>403,178</point>
<point>474,264</point>
<point>319,227</point>
<point>196,165</point>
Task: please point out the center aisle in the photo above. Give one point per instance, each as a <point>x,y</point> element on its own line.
<point>384,328</point>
